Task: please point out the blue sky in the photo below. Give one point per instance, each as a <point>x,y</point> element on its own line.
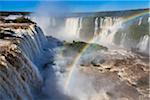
<point>73,6</point>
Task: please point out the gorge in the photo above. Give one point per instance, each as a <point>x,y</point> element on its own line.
<point>94,56</point>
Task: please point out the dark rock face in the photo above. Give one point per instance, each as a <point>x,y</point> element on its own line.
<point>3,35</point>
<point>6,33</point>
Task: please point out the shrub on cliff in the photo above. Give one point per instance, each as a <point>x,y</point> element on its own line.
<point>79,46</point>
<point>23,20</point>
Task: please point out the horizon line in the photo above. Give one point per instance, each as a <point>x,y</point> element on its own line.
<point>14,11</point>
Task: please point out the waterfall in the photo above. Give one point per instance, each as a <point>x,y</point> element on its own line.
<point>143,44</point>
<point>103,30</point>
<point>33,39</point>
<point>148,19</point>
<point>19,75</point>
<point>96,30</point>
<point>109,30</point>
<point>123,39</point>
<point>79,27</point>
<point>140,21</point>
<point>72,27</point>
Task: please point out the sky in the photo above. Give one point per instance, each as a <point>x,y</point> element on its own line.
<point>72,5</point>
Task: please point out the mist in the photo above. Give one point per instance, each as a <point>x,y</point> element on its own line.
<point>50,16</point>
<point>82,85</point>
<point>53,75</point>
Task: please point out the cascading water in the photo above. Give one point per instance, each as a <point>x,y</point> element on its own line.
<point>101,29</point>
<point>140,21</point>
<point>119,32</point>
<point>143,44</point>
<point>108,30</point>
<point>73,31</point>
<point>79,27</point>
<point>20,78</point>
<point>96,30</point>
<point>31,39</point>
<point>27,53</point>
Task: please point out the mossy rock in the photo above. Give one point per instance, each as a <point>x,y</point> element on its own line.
<point>79,46</point>
<point>23,20</point>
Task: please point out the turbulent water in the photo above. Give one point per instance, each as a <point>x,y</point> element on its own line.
<point>114,66</point>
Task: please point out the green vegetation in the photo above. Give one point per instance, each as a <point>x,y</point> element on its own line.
<point>18,20</point>
<point>97,47</point>
<point>79,46</point>
<point>76,46</point>
<point>22,20</point>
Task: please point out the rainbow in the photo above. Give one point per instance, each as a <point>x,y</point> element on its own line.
<point>73,65</point>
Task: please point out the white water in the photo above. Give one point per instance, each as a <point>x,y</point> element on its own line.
<point>79,27</point>
<point>105,30</point>
<point>32,44</point>
<point>31,40</point>
<point>20,77</point>
<point>96,30</point>
<point>109,30</point>
<point>72,27</point>
<point>143,44</point>
<point>140,21</point>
